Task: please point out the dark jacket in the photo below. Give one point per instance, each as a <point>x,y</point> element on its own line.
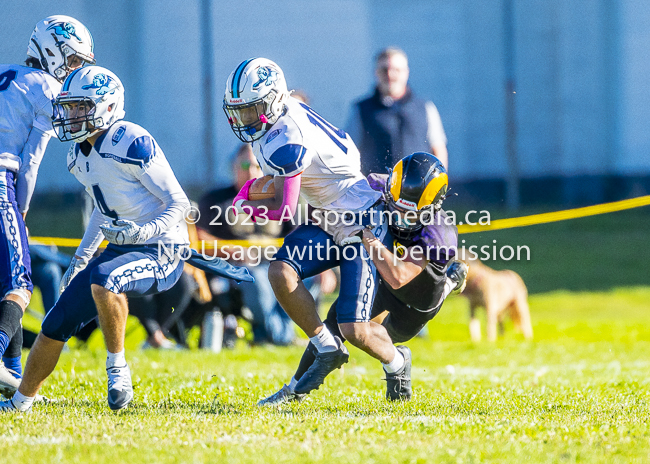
<point>391,130</point>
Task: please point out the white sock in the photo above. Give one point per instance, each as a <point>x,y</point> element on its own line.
<point>22,402</point>
<point>115,359</point>
<point>396,364</point>
<point>449,287</point>
<point>324,341</point>
<point>292,384</point>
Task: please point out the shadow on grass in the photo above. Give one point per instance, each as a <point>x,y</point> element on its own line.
<point>136,408</point>
<point>381,408</point>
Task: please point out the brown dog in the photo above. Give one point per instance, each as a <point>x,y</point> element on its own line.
<point>501,293</point>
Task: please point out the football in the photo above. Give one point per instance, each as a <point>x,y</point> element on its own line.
<point>262,189</point>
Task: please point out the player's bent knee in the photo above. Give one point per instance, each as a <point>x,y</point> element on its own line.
<point>355,332</point>
<point>44,339</point>
<point>401,330</point>
<point>281,274</point>
<point>54,326</point>
<point>397,336</point>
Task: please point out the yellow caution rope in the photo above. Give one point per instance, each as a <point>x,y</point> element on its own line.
<point>498,224</point>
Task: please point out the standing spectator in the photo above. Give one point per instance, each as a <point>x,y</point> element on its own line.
<point>393,123</point>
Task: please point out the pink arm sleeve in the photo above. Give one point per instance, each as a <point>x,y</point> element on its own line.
<point>243,192</point>
<point>290,193</point>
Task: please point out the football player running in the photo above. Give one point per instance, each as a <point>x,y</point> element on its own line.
<point>309,156</point>
<point>139,204</point>
<point>415,283</point>
<point>58,45</point>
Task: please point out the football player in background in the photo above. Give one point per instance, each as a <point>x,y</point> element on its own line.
<point>139,204</point>
<point>415,283</point>
<point>58,45</point>
<point>309,156</point>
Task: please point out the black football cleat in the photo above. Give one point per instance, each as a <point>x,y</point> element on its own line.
<point>322,366</point>
<point>283,395</point>
<point>398,385</point>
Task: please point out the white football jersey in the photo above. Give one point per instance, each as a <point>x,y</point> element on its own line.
<point>128,177</point>
<point>302,141</point>
<point>26,96</point>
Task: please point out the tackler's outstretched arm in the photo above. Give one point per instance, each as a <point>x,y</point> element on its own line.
<point>396,271</point>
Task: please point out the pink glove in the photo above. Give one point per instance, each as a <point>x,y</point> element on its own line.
<point>242,196</point>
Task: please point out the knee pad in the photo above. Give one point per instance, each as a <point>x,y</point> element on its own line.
<point>10,315</point>
<point>22,293</point>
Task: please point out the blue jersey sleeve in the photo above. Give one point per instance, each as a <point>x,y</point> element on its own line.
<point>289,160</point>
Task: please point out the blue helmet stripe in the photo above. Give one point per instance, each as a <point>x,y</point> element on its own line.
<point>66,84</point>
<point>237,78</point>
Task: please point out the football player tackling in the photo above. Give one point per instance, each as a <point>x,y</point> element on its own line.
<point>309,156</point>
<point>58,45</point>
<point>417,272</point>
<point>139,205</point>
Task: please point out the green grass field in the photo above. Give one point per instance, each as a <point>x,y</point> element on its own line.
<point>578,393</point>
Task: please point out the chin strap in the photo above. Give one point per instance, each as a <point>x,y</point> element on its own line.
<point>43,60</point>
<point>64,58</point>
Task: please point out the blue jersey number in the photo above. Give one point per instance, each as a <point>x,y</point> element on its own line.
<point>6,78</point>
<point>101,203</point>
<point>333,133</point>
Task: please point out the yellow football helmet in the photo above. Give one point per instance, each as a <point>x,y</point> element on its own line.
<point>415,189</point>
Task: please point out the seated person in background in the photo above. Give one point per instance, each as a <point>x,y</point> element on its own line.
<point>270,323</point>
<point>155,312</point>
<point>161,314</point>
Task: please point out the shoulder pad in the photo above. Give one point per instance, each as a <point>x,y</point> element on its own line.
<point>283,132</point>
<point>142,149</point>
<point>288,159</point>
<point>129,144</point>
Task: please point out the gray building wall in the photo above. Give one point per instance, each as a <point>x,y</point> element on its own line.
<point>581,70</point>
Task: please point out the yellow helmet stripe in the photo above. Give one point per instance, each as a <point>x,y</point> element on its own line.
<point>432,190</point>
<point>396,181</point>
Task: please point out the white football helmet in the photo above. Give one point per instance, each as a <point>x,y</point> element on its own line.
<point>91,99</point>
<point>56,40</point>
<point>255,98</point>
